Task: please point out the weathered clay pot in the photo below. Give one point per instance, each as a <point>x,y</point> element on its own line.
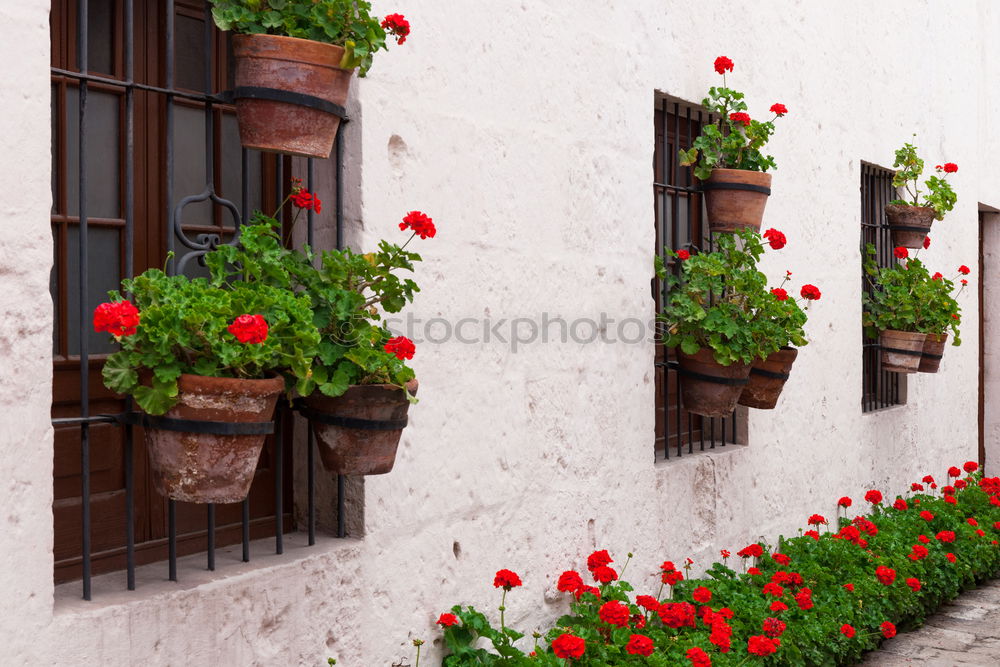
<point>767,379</point>
<point>360,451</point>
<point>901,350</point>
<point>735,199</point>
<point>707,387</point>
<point>209,468</point>
<point>297,66</point>
<point>933,350</point>
<point>909,224</point>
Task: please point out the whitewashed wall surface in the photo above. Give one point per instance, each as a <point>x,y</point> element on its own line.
<point>526,130</point>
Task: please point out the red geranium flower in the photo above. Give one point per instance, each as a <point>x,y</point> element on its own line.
<point>677,614</point>
<point>506,579</point>
<point>950,167</point>
<point>847,630</point>
<point>781,558</point>
<point>972,521</point>
<point>927,242</point>
<point>701,594</point>
<point>804,599</point>
<point>568,646</point>
<point>946,536</point>
<point>683,254</point>
<point>950,500</point>
<point>725,553</point>
<point>774,589</point>
<point>964,270</point>
<point>817,519</point>
<point>954,472</point>
<point>761,645</point>
<point>937,276</point>
<point>779,109</point>
<point>885,575</point>
<point>753,571</point>
<point>900,504</point>
<point>779,294</point>
<point>570,581</point>
<point>778,606</point>
<point>396,24</point>
<point>118,318</point>
<point>614,613</point>
<point>447,620</point>
<point>948,490</point>
<point>774,627</point>
<point>698,657</point>
<point>776,239</point>
<point>401,346</point>
<point>602,557</point>
<point>888,630</point>
<point>639,645</point>
<point>916,487</point>
<point>249,329</point>
<point>302,198</point>
<point>740,117</point>
<point>812,533</point>
<point>722,64</point>
<point>844,502</point>
<point>587,589</point>
<point>754,550</point>
<point>960,484</point>
<point>970,466</point>
<point>849,587</point>
<point>913,583</point>
<point>647,601</point>
<point>874,496</point>
<point>810,292</point>
<point>950,557</point>
<point>422,225</point>
<point>919,552</point>
<point>901,253</point>
<point>671,578</point>
<point>927,479</point>
<point>604,574</point>
<point>923,539</point>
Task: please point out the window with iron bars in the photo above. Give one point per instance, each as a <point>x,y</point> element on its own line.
<point>879,388</point>
<point>680,224</point>
<point>145,160</point>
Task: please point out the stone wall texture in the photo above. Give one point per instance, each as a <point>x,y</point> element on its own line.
<point>526,130</point>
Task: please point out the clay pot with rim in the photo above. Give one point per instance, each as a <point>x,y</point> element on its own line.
<point>909,224</point>
<point>297,66</point>
<point>735,199</point>
<point>368,447</point>
<point>901,350</point>
<point>204,467</point>
<point>708,388</point>
<point>767,379</point>
<point>933,350</point>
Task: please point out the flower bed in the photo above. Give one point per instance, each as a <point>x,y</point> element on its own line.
<point>824,597</point>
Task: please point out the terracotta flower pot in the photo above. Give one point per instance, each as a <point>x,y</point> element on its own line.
<point>707,387</point>
<point>767,379</point>
<point>371,420</point>
<point>933,350</point>
<point>204,467</point>
<point>901,350</point>
<point>735,199</point>
<point>305,69</point>
<point>909,224</point>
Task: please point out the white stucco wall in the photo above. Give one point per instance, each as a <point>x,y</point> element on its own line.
<point>526,131</point>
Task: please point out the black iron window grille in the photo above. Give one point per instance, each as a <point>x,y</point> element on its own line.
<point>136,174</point>
<point>880,389</point>
<point>680,224</point>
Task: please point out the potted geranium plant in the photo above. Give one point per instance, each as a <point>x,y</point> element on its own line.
<point>294,61</point>
<point>910,217</point>
<point>357,388</point>
<point>906,305</point>
<point>722,319</point>
<point>727,158</point>
<point>202,362</point>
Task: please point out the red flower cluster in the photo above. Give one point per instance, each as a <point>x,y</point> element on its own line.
<point>969,466</point>
<point>773,627</point>
<point>396,24</point>
<point>947,167</point>
<point>751,551</point>
<point>249,329</point>
<point>639,645</point>
<point>946,536</point>
<point>913,583</point>
<point>847,630</point>
<point>118,318</point>
<point>919,552</point>
<point>698,657</point>
<point>740,117</point>
<point>604,574</point>
<point>722,64</point>
<point>781,558</point>
<point>506,579</point>
<point>779,293</point>
<point>804,599</point>
<point>761,645</point>
<point>677,614</point>
<point>670,575</point>
<point>401,346</point>
<point>302,198</point>
<point>954,472</point>
<point>817,519</point>
<point>964,270</point>
<point>775,238</point>
<point>844,502</point>
<point>888,630</point>
<point>568,646</point>
<point>702,595</point>
<point>885,575</point>
<point>614,613</point>
<point>447,620</point>
<point>683,254</point>
<point>927,242</point>
<point>810,292</point>
<point>901,253</point>
<point>779,109</point>
<point>421,224</point>
<point>874,496</point>
<point>570,581</point>
<point>774,589</point>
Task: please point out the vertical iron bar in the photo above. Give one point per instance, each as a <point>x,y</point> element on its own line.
<point>169,101</point>
<point>84,281</point>
<point>339,167</point>
<point>279,430</point>
<point>246,530</point>
<point>211,536</point>
<point>210,175</point>
<point>245,214</point>
<point>129,270</point>
<point>172,540</point>
<point>341,528</point>
<point>310,456</point>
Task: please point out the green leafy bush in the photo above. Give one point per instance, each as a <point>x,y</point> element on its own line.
<point>823,597</point>
<point>346,23</point>
<point>909,167</point>
<point>733,140</point>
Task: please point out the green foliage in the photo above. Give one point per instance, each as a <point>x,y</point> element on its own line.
<point>342,292</point>
<point>825,562</point>
<point>721,301</point>
<point>906,297</point>
<point>184,329</point>
<point>909,167</point>
<point>728,144</point>
<point>346,23</point>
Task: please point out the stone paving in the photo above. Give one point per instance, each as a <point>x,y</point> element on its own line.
<point>963,633</point>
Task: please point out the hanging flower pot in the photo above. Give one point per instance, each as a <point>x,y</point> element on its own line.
<point>901,350</point>
<point>358,432</point>
<point>205,449</point>
<point>930,359</point>
<point>767,379</point>
<point>909,224</point>
<point>290,93</point>
<point>735,199</point>
<point>707,387</point>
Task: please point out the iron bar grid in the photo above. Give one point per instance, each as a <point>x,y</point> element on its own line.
<point>128,88</point>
